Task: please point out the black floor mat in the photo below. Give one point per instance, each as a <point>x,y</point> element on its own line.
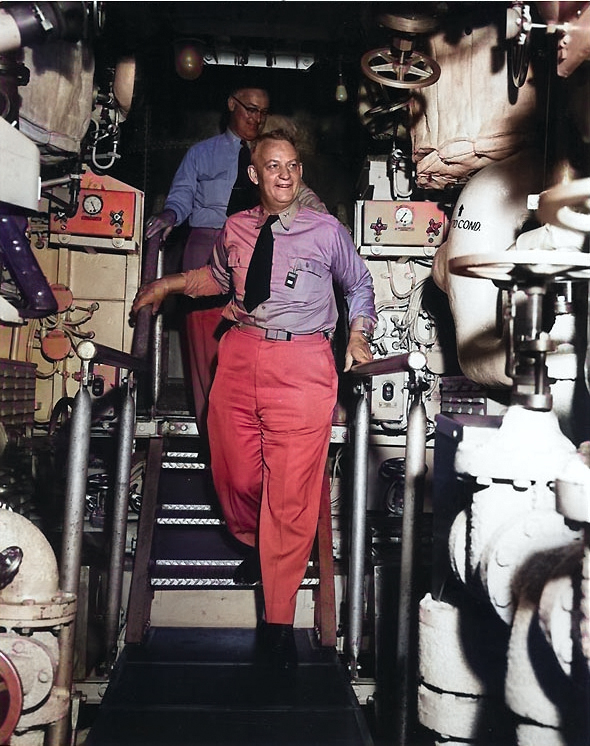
<point>204,687</point>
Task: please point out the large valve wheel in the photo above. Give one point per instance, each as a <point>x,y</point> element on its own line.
<point>567,205</point>
<point>11,698</point>
<point>518,265</point>
<point>416,70</point>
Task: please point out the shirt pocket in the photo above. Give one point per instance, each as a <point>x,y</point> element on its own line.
<point>215,190</point>
<point>310,277</point>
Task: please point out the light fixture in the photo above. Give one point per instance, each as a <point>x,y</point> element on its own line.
<point>188,58</point>
<point>341,94</point>
<point>284,60</point>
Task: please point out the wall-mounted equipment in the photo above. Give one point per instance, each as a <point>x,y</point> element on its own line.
<point>108,217</point>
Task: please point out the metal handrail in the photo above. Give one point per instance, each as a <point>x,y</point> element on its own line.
<point>414,363</point>
<point>73,529</point>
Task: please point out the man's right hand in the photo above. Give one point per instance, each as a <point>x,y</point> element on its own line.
<point>153,294</point>
<point>163,221</point>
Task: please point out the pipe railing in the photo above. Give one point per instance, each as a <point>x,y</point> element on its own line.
<point>414,363</point>
<point>135,362</point>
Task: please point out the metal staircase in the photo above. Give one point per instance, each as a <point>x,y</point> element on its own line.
<point>182,541</point>
<point>205,685</point>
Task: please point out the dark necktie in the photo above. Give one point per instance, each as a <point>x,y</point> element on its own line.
<point>258,276</point>
<point>244,194</point>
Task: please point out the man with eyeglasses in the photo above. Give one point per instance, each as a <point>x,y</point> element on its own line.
<point>200,193</point>
<point>210,184</point>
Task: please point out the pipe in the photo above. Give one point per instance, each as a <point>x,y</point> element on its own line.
<point>119,530</point>
<point>24,268</point>
<point>152,268</point>
<point>410,361</point>
<point>76,491</point>
<point>356,574</point>
<point>36,575</point>
<point>406,653</point>
<point>71,551</point>
<point>157,350</point>
<point>118,359</point>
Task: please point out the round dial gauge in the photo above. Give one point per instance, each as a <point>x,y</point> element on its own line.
<point>404,216</point>
<point>92,204</point>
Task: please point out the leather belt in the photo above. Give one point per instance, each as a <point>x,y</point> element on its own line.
<point>279,335</point>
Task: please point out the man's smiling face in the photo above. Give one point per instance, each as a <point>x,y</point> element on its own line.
<point>277,170</point>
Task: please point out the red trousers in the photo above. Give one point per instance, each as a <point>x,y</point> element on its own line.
<point>200,327</point>
<point>270,416</point>
<point>201,324</point>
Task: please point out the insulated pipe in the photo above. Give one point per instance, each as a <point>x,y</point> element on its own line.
<point>71,553</point>
<point>24,269</point>
<point>36,575</point>
<point>119,530</point>
<point>356,573</point>
<point>406,655</point>
<point>75,495</point>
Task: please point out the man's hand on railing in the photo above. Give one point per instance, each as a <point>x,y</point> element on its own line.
<point>163,221</point>
<point>357,350</point>
<point>154,294</point>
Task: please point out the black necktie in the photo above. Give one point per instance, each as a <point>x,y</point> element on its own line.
<point>258,276</point>
<point>244,194</point>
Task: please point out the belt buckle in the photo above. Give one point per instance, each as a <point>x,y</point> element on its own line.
<point>278,335</point>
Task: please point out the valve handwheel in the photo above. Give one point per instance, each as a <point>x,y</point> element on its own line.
<point>414,70</point>
<point>11,698</point>
<point>534,265</point>
<point>567,205</point>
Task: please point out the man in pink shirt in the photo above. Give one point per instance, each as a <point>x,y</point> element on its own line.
<point>271,404</point>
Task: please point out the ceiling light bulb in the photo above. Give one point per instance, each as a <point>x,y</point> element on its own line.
<point>188,60</point>
<point>341,92</point>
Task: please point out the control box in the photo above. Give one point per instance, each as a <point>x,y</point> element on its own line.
<point>399,228</point>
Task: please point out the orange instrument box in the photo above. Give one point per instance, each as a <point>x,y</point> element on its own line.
<point>101,212</point>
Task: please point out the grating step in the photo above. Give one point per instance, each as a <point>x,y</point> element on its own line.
<point>186,514</point>
<point>183,465</point>
<point>192,573</point>
<point>188,520</point>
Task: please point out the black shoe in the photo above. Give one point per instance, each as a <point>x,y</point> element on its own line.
<point>277,642</point>
<point>248,571</point>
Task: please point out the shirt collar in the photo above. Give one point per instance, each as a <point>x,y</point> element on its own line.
<point>286,217</point>
<point>231,135</point>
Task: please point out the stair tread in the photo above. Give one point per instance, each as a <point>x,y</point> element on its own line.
<point>212,576</point>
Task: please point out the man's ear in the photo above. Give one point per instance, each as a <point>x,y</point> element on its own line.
<point>252,174</point>
<point>231,104</point>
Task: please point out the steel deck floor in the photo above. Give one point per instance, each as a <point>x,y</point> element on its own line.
<point>204,687</point>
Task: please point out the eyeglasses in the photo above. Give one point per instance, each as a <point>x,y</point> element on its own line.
<point>252,110</point>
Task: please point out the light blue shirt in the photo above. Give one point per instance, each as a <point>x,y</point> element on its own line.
<point>204,180</point>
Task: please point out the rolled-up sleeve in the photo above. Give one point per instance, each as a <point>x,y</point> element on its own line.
<point>200,282</point>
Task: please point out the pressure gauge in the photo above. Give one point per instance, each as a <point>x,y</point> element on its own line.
<point>92,204</point>
<point>404,216</point>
